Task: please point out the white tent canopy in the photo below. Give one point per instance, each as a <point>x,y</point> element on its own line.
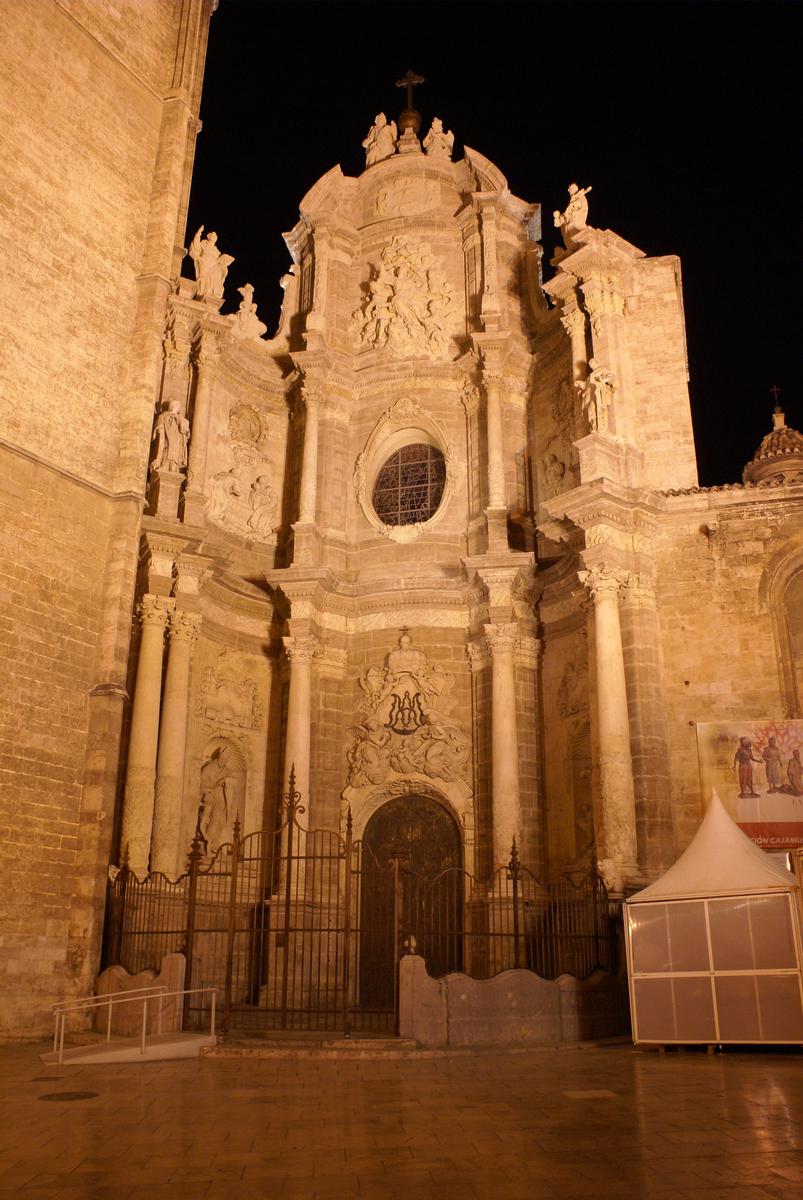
<point>720,861</point>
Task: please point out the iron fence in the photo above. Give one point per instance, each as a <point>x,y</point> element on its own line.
<point>303,929</point>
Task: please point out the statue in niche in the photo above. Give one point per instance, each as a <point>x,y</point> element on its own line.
<point>219,805</point>
<point>263,507</point>
<point>408,303</point>
<point>439,143</point>
<point>247,325</point>
<point>406,730</point>
<point>171,435</point>
<point>554,475</point>
<point>211,267</point>
<point>575,216</point>
<point>381,140</point>
<point>596,395</point>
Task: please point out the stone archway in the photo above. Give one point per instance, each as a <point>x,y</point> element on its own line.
<point>424,896</point>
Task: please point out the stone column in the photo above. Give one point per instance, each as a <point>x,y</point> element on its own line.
<point>616,840</point>
<point>143,739</point>
<point>166,851</point>
<point>492,382</point>
<point>505,802</point>
<point>300,652</point>
<point>309,473</point>
<point>652,776</point>
<point>206,360</point>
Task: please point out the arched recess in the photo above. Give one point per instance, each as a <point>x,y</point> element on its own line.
<point>222,790</point>
<point>783,592</point>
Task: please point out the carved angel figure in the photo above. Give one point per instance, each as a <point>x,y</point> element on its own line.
<point>263,507</point>
<point>211,267</point>
<point>171,434</point>
<point>439,142</point>
<point>575,216</point>
<point>368,757</point>
<point>381,140</point>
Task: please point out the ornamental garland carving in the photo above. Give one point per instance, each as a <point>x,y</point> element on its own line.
<point>406,728</point>
<point>409,305</point>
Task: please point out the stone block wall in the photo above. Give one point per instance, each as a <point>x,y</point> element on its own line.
<point>87,168</point>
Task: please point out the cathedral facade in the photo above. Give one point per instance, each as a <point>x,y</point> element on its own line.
<point>436,546</point>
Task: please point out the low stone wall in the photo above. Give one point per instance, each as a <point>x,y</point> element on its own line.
<point>515,1007</point>
<point>127,1018</point>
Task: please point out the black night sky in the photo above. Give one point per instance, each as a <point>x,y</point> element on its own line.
<point>684,118</point>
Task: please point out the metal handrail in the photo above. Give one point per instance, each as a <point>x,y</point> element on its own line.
<point>160,993</point>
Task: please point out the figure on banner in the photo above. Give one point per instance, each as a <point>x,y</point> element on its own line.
<point>743,759</point>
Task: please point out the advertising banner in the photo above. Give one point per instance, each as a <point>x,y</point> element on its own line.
<point>757,770</point>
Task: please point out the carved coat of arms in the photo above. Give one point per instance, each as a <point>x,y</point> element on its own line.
<point>406,730</point>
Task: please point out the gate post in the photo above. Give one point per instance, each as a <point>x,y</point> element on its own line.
<point>514,870</point>
<point>235,859</point>
<point>194,862</point>
<point>116,911</point>
<point>347,927</point>
<point>292,798</point>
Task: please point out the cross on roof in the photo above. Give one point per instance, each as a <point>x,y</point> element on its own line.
<point>410,80</point>
<point>775,392</point>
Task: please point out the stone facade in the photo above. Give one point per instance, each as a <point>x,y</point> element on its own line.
<point>100,114</point>
<point>524,641</point>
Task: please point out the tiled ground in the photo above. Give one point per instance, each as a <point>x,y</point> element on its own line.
<point>606,1122</point>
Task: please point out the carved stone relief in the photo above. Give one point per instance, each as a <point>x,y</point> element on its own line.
<point>227,698</point>
<point>409,305</point>
<point>407,197</point>
<point>406,728</point>
<point>241,497</point>
<point>573,690</point>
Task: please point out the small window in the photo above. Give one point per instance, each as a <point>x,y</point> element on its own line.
<point>409,487</point>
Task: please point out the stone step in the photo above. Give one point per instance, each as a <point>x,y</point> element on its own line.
<point>312,1046</point>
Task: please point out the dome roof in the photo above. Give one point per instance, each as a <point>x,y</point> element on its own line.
<point>779,458</point>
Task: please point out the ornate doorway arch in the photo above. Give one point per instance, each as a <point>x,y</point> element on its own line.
<point>412,885</point>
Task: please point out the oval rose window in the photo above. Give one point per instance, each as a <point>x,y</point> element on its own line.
<point>409,487</point>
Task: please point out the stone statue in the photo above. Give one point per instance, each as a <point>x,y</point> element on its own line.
<point>381,140</point>
<point>554,474</point>
<point>211,267</point>
<point>368,757</point>
<point>439,143</point>
<point>218,807</point>
<point>596,394</point>
<point>171,434</point>
<point>289,285</point>
<point>575,216</point>
<point>246,324</point>
<point>263,507</point>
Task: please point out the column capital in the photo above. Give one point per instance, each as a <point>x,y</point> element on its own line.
<point>478,654</point>
<point>155,610</point>
<point>572,318</point>
<point>302,649</point>
<point>206,353</point>
<point>184,626</point>
<point>502,639</point>
<point>603,580</point>
<point>639,590</point>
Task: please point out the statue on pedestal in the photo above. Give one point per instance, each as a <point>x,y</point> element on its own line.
<point>247,325</point>
<point>171,434</point>
<point>575,216</point>
<point>381,140</point>
<point>439,142</point>
<point>211,267</point>
<point>596,393</point>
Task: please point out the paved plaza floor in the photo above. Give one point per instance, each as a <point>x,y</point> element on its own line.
<point>571,1123</point>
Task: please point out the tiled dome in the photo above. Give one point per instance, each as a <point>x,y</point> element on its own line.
<point>779,458</point>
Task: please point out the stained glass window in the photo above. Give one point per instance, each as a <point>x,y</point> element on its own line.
<point>409,486</point>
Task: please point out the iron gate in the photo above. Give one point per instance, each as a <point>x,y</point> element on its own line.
<point>302,929</point>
